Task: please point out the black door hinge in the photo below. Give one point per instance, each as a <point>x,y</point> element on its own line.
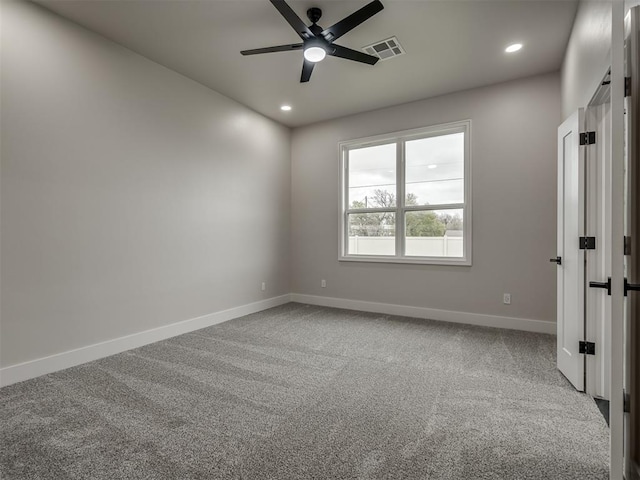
<point>630,287</point>
<point>606,285</point>
<point>626,403</point>
<point>587,243</point>
<point>627,245</point>
<point>587,138</point>
<point>627,86</point>
<point>588,348</point>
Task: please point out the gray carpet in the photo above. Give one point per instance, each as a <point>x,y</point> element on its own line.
<point>303,392</point>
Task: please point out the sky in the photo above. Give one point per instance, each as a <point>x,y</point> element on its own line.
<point>434,170</point>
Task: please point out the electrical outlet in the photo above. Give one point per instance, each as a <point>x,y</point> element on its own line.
<point>264,286</point>
<point>323,283</point>
<point>506,299</point>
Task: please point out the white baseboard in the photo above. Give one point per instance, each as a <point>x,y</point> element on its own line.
<point>60,361</point>
<point>540,326</point>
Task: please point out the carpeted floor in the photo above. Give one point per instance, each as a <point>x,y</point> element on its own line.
<point>303,392</point>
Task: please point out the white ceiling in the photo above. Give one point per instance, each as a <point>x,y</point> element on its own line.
<point>451,45</point>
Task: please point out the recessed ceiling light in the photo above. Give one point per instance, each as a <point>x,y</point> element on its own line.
<point>432,166</point>
<point>285,108</point>
<point>513,48</point>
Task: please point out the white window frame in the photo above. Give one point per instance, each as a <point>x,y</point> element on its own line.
<point>400,138</point>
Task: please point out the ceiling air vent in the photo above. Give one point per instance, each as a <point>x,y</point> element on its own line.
<point>385,49</point>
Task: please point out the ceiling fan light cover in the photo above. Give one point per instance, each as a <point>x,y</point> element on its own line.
<point>315,54</point>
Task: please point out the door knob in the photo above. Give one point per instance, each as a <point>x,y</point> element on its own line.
<point>557,260</point>
<point>630,287</point>
<point>606,285</point>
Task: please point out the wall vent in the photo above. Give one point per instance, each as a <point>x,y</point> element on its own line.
<point>385,49</point>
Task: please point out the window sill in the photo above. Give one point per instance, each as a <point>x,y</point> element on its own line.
<point>450,261</point>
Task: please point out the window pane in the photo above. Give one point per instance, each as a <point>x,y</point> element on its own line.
<point>434,233</point>
<point>372,234</point>
<point>435,170</point>
<point>372,177</point>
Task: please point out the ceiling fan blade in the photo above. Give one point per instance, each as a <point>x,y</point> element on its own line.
<point>278,48</point>
<point>349,54</point>
<point>307,68</point>
<point>294,20</point>
<point>352,21</point>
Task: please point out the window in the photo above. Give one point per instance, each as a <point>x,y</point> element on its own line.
<point>406,197</point>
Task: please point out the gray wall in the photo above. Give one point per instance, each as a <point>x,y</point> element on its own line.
<point>514,205</point>
<point>587,58</point>
<point>132,197</point>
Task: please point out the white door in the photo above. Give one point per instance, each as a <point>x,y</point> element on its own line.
<point>571,289</point>
<point>598,261</point>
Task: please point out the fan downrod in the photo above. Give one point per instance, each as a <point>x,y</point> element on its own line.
<point>314,14</point>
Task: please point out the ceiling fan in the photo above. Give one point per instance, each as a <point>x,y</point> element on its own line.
<point>318,43</point>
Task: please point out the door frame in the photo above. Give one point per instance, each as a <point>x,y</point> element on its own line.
<point>632,307</point>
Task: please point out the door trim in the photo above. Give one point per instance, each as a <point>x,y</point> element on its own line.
<point>616,445</point>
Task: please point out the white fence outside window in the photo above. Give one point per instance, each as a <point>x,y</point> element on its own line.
<point>415,246</point>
